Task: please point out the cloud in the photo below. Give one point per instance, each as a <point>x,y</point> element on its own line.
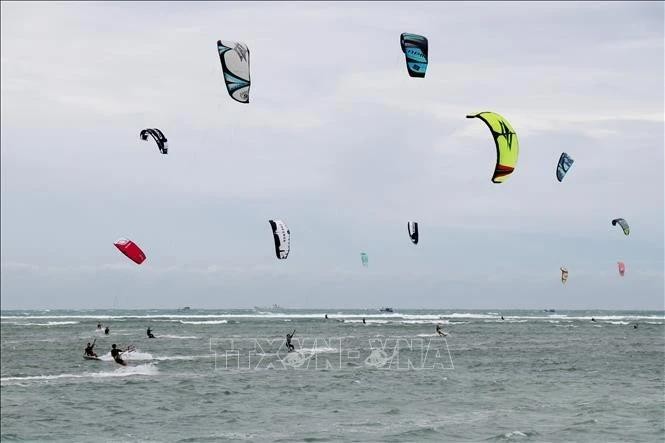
<point>340,143</point>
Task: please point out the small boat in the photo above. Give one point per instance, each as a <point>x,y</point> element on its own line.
<point>273,308</point>
<point>386,310</point>
<point>549,310</point>
<point>186,308</point>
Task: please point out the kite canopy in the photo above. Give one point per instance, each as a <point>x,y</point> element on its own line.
<point>507,145</point>
<point>564,275</point>
<point>131,250</point>
<point>282,237</point>
<point>565,162</point>
<point>622,268</point>
<point>235,65</point>
<point>623,223</point>
<point>364,259</point>
<point>412,227</point>
<point>158,136</point>
<point>414,47</point>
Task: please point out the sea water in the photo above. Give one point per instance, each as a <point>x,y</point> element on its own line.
<point>214,375</point>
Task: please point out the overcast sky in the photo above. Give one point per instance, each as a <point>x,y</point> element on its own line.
<point>340,143</point>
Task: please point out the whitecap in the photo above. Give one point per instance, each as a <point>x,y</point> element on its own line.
<point>124,371</point>
<point>205,322</point>
<point>180,337</point>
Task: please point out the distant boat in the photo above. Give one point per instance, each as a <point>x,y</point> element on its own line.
<point>386,310</point>
<point>549,310</point>
<point>186,308</point>
<point>273,308</point>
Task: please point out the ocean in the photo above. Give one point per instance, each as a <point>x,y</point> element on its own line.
<point>226,375</point>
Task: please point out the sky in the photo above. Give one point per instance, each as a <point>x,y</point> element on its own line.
<point>339,143</point>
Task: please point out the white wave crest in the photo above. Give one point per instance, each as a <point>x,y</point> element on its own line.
<point>51,323</point>
<point>124,371</point>
<point>205,322</point>
<point>179,337</point>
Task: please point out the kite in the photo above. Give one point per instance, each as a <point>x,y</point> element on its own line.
<point>565,162</point>
<point>282,237</point>
<point>131,250</point>
<point>235,66</point>
<point>505,140</point>
<point>412,228</point>
<point>158,136</point>
<point>414,48</point>
<point>623,223</point>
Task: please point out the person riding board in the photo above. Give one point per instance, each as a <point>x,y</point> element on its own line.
<point>502,318</point>
<point>149,332</point>
<point>115,353</point>
<point>99,326</point>
<point>288,341</point>
<point>88,349</point>
<point>364,321</point>
<point>440,331</point>
<point>106,331</point>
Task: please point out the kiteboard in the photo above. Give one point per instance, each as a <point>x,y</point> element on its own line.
<point>90,357</point>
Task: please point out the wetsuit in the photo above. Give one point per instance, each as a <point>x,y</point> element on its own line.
<point>364,321</point>
<point>150,334</point>
<point>106,331</point>
<point>288,341</point>
<point>88,350</point>
<point>115,353</point>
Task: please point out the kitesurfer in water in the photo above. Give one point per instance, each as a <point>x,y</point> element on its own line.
<point>440,331</point>
<point>326,316</point>
<point>502,318</point>
<point>99,326</point>
<point>635,326</point>
<point>149,332</point>
<point>115,353</point>
<point>364,321</point>
<point>106,331</point>
<point>88,349</point>
<point>593,319</point>
<point>288,341</point>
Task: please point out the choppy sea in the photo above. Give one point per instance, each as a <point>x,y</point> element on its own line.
<point>226,375</point>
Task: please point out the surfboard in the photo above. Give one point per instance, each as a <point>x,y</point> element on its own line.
<point>90,357</point>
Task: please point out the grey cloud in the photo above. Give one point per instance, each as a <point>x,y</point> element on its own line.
<point>341,144</point>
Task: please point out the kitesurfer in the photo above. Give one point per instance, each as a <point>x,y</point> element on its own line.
<point>440,331</point>
<point>149,332</point>
<point>635,326</point>
<point>106,331</point>
<point>502,318</point>
<point>288,341</point>
<point>326,316</point>
<point>593,319</point>
<point>115,353</point>
<point>99,326</point>
<point>88,349</point>
<point>364,321</point>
